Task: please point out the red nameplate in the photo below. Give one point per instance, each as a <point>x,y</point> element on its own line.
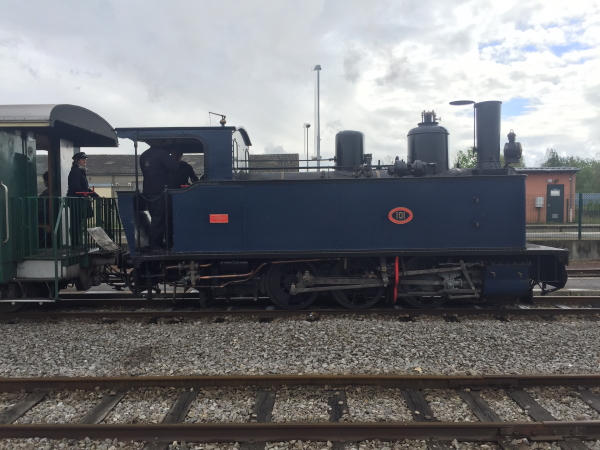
<point>219,218</point>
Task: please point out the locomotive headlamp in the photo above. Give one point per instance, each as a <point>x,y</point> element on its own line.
<point>512,150</point>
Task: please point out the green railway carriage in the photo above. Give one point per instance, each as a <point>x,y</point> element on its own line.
<point>44,241</point>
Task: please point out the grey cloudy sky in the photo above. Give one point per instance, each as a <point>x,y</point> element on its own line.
<point>159,63</point>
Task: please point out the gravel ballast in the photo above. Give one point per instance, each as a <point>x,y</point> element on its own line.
<point>504,406</point>
<point>447,406</point>
<point>8,399</point>
<point>563,403</point>
<point>332,345</point>
<point>301,404</point>
<point>374,404</point>
<point>65,444</point>
<point>144,405</point>
<point>62,407</point>
<point>222,405</point>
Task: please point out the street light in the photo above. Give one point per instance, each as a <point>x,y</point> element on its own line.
<point>317,68</point>
<point>305,135</point>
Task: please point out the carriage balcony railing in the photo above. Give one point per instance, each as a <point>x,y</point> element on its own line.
<point>56,228</point>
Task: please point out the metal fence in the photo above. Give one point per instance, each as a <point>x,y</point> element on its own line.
<point>563,217</point>
<point>56,228</point>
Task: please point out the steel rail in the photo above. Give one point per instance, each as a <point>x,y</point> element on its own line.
<point>198,314</point>
<point>274,381</point>
<point>122,298</point>
<point>236,432</point>
<point>139,302</point>
<point>583,272</point>
<point>566,298</point>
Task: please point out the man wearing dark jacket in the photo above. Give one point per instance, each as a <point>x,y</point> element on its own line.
<point>81,210</point>
<point>78,183</point>
<point>156,164</point>
<point>184,175</point>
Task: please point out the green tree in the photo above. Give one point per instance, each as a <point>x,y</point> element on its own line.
<point>521,162</point>
<point>553,160</point>
<point>466,159</point>
<point>588,178</point>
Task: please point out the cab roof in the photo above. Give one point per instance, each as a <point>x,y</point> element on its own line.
<point>83,127</point>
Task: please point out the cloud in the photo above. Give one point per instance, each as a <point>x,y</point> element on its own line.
<point>165,64</point>
<point>271,149</point>
<point>336,126</point>
<point>351,65</point>
<point>398,69</point>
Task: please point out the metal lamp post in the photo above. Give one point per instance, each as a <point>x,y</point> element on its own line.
<point>317,68</point>
<point>305,135</point>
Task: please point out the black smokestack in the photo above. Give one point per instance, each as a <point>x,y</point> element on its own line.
<point>488,134</point>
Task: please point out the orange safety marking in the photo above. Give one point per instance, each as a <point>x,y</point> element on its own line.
<point>219,218</point>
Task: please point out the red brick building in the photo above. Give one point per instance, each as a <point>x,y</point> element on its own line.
<point>550,193</point>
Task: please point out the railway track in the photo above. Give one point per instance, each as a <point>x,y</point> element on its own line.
<point>315,314</point>
<point>338,424</point>
<point>117,305</point>
<point>583,272</point>
<point>128,299</point>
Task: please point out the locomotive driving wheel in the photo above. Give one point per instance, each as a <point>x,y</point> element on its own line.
<point>361,268</point>
<point>425,295</point>
<point>280,278</point>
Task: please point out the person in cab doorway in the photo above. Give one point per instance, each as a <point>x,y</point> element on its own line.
<point>156,165</point>
<point>184,175</point>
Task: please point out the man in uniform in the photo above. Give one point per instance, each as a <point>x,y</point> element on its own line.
<point>78,182</point>
<point>156,164</point>
<point>81,209</point>
<point>184,175</point>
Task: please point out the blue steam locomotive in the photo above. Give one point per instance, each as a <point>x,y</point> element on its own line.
<point>416,231</point>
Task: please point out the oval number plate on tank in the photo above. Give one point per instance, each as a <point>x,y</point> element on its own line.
<point>400,215</point>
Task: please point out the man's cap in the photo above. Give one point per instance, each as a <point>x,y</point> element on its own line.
<point>80,155</point>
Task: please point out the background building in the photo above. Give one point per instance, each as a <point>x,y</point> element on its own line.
<point>111,173</point>
<point>550,193</point>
